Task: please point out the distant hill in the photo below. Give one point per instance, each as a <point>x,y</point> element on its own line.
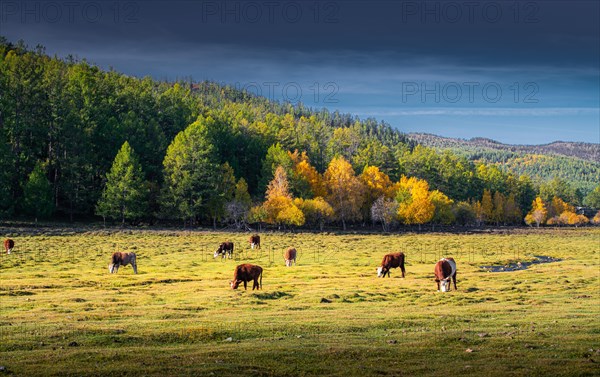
<point>576,162</point>
<point>584,151</point>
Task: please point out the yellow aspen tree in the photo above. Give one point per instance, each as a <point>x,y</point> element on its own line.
<point>558,206</point>
<point>377,184</point>
<point>278,196</point>
<point>415,205</point>
<point>478,212</point>
<point>305,171</point>
<point>512,212</point>
<point>291,215</point>
<point>345,190</point>
<point>443,208</point>
<point>498,210</point>
<point>487,205</point>
<point>538,212</point>
<point>596,219</point>
<point>316,211</point>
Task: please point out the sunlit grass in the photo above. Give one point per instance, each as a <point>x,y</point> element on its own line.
<point>62,313</point>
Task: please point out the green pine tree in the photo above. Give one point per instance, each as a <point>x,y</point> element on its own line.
<point>37,192</point>
<point>224,190</point>
<point>189,173</point>
<point>125,195</point>
<point>6,178</point>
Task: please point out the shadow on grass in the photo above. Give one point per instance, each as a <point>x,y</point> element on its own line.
<point>272,295</point>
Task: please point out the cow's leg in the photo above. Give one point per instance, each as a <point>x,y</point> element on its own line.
<point>255,283</point>
<point>454,279</point>
<point>245,285</point>
<point>134,265</point>
<point>403,270</point>
<point>438,285</point>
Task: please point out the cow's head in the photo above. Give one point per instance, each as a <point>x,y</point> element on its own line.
<point>379,272</point>
<point>111,268</point>
<point>445,285</point>
<point>235,284</point>
<point>219,251</point>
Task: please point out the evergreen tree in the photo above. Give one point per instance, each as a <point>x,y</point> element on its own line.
<point>593,198</point>
<point>238,208</point>
<point>125,195</point>
<point>6,197</point>
<point>38,194</point>
<point>223,192</point>
<point>189,173</point>
<point>560,188</point>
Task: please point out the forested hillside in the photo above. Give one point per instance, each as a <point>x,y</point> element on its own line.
<point>79,142</point>
<point>577,163</point>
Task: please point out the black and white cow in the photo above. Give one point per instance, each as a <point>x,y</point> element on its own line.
<point>225,249</point>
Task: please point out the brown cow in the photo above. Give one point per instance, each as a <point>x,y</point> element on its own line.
<point>391,261</point>
<point>9,245</point>
<point>122,259</point>
<point>255,241</point>
<point>445,269</point>
<point>290,256</point>
<point>225,248</point>
<point>245,273</point>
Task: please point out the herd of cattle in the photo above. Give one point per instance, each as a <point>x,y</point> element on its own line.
<point>444,270</point>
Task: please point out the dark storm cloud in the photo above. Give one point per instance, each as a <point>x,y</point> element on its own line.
<point>478,32</point>
<point>363,54</point>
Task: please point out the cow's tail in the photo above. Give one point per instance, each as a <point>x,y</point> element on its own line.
<point>261,279</point>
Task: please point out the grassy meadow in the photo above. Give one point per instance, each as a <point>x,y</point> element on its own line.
<point>63,314</point>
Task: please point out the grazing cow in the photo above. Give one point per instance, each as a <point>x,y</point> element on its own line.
<point>122,259</point>
<point>255,241</point>
<point>445,269</point>
<point>290,256</point>
<point>226,248</point>
<point>245,273</point>
<point>9,245</point>
<point>391,261</point>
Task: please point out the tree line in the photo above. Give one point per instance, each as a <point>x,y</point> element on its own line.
<point>80,142</point>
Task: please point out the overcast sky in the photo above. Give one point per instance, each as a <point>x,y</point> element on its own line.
<point>523,72</point>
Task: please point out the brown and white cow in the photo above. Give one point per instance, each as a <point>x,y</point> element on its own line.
<point>255,241</point>
<point>9,245</point>
<point>391,261</point>
<point>244,273</point>
<point>290,256</point>
<point>122,259</point>
<point>445,269</point>
<point>225,248</point>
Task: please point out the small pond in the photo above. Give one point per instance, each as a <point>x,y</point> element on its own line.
<point>539,259</point>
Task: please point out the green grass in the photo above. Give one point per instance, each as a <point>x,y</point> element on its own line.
<point>63,314</point>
